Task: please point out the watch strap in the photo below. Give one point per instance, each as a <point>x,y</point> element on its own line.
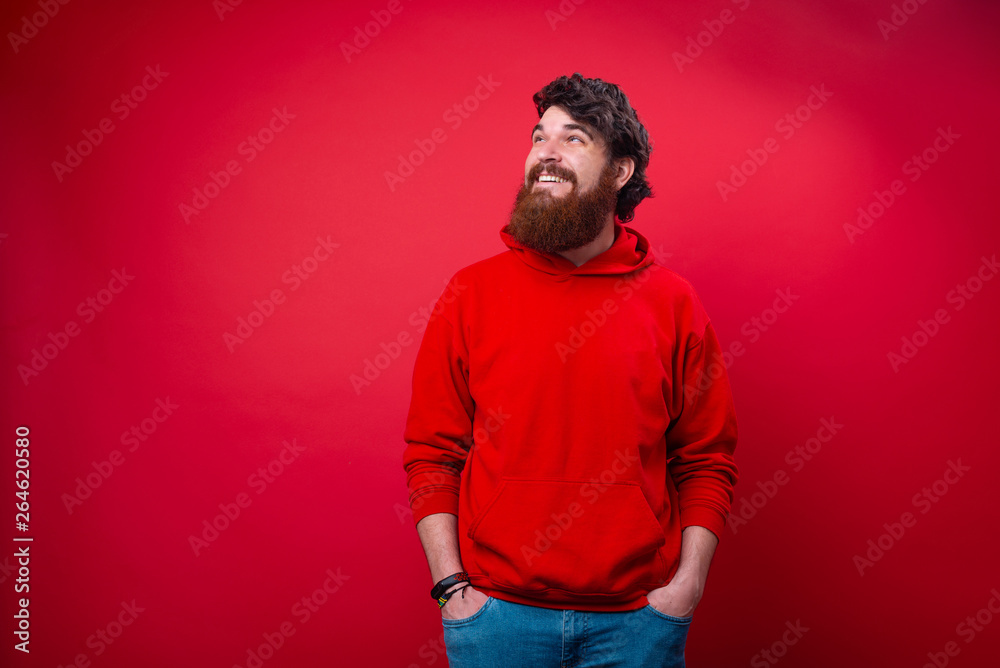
<point>453,579</point>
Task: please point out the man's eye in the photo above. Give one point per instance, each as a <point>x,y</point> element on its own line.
<point>576,138</point>
<point>536,138</point>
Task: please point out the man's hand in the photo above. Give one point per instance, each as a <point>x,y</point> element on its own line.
<point>681,595</point>
<point>677,599</point>
<point>458,607</point>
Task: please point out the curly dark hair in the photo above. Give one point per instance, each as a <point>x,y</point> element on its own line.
<point>605,107</point>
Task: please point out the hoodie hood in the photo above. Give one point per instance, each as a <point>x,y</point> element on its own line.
<point>629,252</point>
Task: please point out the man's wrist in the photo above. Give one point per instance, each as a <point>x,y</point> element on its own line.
<point>454,591</point>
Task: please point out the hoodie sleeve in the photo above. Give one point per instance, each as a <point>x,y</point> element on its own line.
<point>438,431</point>
<point>702,438</point>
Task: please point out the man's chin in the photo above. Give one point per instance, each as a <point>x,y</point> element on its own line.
<point>554,223</point>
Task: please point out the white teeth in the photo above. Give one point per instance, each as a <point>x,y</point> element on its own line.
<point>553,179</point>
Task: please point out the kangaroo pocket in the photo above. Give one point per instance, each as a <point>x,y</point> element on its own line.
<point>578,537</point>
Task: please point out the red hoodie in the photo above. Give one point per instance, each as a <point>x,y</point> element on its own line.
<point>575,419</point>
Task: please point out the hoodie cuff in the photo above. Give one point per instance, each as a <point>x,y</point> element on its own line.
<point>702,516</point>
<point>434,502</point>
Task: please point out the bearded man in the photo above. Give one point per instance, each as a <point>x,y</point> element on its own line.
<point>570,438</point>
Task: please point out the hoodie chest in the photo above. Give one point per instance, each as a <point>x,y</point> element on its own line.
<point>541,334</point>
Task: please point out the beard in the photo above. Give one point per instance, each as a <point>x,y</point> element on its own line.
<point>553,224</point>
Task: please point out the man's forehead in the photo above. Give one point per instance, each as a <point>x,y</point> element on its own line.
<point>561,120</point>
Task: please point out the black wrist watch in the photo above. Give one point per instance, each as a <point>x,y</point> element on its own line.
<point>440,587</point>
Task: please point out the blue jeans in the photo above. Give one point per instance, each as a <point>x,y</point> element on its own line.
<point>510,635</point>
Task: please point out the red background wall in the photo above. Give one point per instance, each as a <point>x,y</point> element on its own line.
<point>337,502</point>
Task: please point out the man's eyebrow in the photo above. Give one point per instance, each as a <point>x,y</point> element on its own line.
<point>566,126</point>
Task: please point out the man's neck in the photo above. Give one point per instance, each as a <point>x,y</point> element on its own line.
<point>603,242</point>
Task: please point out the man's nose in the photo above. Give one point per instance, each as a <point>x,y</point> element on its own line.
<point>548,152</point>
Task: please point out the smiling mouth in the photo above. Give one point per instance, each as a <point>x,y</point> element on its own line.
<point>549,178</point>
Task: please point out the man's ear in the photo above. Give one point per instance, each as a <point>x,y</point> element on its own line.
<point>624,167</point>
